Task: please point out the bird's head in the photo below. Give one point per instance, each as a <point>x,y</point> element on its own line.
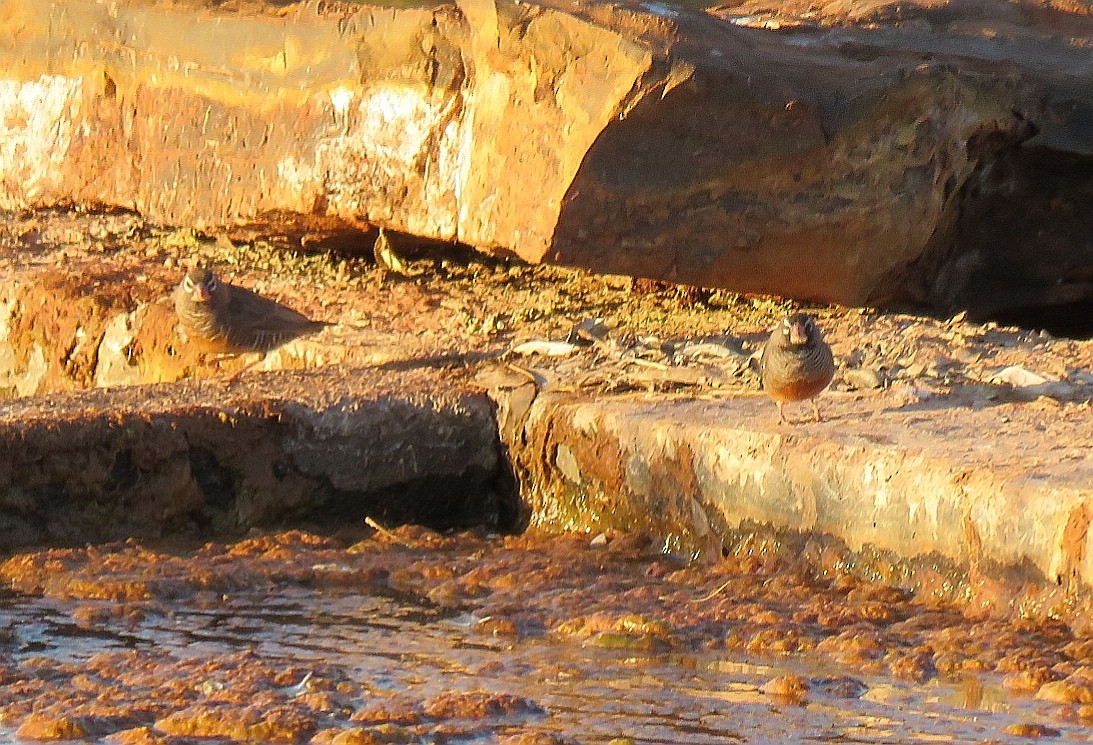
<point>798,330</point>
<point>200,284</point>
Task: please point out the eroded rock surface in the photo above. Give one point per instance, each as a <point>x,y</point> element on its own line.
<point>694,472</point>
<point>194,458</point>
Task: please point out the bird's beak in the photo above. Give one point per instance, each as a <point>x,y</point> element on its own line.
<point>201,292</point>
<point>798,334</point>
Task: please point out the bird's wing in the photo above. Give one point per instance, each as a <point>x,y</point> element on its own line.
<point>263,324</point>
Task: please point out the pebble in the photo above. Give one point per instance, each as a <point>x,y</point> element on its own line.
<point>786,686</point>
<point>1026,729</point>
<point>863,378</point>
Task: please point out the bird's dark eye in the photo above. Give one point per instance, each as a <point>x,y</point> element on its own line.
<point>211,284</point>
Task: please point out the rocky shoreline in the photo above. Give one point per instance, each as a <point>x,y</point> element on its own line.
<point>467,392</point>
<point>495,488</point>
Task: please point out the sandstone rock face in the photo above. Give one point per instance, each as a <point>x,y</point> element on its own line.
<point>678,146</point>
<point>779,189</point>
<point>1019,249</point>
<point>432,120</point>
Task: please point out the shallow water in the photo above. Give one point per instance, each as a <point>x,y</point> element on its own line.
<point>591,694</point>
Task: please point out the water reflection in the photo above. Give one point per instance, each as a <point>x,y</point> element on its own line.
<point>592,694</point>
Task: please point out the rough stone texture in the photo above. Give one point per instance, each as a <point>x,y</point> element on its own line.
<point>1044,43</point>
<point>787,172</point>
<point>674,146</point>
<point>691,472</point>
<point>192,458</point>
<point>416,118</point>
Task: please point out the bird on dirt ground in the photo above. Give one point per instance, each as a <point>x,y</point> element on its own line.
<point>386,259</point>
<point>797,363</point>
<point>222,318</point>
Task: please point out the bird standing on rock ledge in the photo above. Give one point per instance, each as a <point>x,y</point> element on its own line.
<point>219,317</point>
<point>797,363</point>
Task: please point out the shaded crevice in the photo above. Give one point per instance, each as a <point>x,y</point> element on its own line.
<point>124,474</point>
<point>1064,320</point>
<point>1021,250</point>
<point>1032,231</point>
<point>213,480</point>
<point>474,498</point>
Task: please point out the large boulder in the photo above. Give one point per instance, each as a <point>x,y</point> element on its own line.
<point>671,145</point>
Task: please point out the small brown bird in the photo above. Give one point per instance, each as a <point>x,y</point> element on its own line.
<point>386,259</point>
<point>219,317</point>
<point>796,363</point>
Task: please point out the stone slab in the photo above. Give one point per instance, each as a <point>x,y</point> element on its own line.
<point>965,442</point>
<point>692,471</point>
<point>199,458</point>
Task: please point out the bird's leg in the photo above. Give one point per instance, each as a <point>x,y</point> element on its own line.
<point>216,359</point>
<point>816,411</point>
<point>781,414</point>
